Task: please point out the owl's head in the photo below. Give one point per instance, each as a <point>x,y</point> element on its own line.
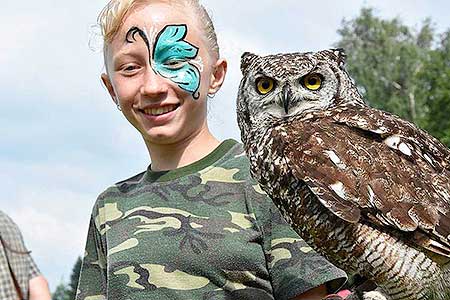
<point>284,86</point>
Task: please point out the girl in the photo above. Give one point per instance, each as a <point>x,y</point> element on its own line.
<point>194,225</point>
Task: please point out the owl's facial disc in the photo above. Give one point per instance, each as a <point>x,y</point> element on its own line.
<point>313,91</point>
<point>282,96</point>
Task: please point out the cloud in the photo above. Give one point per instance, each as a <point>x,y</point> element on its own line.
<point>54,225</point>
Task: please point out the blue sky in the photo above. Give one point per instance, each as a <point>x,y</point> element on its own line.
<point>62,141</point>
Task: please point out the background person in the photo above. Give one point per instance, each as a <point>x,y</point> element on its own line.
<point>19,275</point>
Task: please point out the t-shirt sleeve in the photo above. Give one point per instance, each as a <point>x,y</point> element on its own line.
<point>294,267</point>
<point>92,281</point>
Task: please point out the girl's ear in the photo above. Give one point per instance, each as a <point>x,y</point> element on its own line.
<point>218,76</point>
<point>107,83</point>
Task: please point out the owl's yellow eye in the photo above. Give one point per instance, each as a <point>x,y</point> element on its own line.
<point>265,85</point>
<point>312,82</point>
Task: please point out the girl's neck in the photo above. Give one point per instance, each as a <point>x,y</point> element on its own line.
<point>185,152</point>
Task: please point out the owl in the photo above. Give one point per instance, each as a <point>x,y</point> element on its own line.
<point>366,189</point>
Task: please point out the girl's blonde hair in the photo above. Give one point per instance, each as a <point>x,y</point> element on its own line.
<point>114,13</point>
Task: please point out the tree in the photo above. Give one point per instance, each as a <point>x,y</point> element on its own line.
<point>385,58</point>
<point>73,284</point>
<point>61,293</point>
<point>436,92</point>
<point>401,69</point>
<point>69,291</point>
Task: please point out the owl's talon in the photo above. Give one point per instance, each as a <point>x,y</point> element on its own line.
<point>333,297</point>
<point>375,295</point>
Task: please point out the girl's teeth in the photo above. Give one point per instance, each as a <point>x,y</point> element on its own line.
<point>157,111</point>
<point>160,110</point>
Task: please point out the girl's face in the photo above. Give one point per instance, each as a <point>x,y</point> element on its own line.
<point>160,71</point>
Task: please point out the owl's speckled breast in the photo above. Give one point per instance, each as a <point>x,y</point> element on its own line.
<point>357,248</point>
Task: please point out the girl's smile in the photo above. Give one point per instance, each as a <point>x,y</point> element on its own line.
<point>159,115</point>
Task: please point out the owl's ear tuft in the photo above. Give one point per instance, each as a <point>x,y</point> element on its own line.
<point>340,56</point>
<point>247,60</point>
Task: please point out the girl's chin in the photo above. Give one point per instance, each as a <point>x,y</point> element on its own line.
<point>161,136</point>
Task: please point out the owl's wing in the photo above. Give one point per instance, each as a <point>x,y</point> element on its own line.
<point>367,165</point>
<point>385,125</point>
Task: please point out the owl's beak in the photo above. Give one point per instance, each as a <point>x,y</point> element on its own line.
<point>286,98</point>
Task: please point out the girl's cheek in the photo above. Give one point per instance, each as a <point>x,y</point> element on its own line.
<point>125,88</point>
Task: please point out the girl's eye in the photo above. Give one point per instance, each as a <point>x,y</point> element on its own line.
<point>175,64</point>
<point>130,68</point>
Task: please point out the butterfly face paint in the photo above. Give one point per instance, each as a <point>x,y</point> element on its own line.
<point>171,56</point>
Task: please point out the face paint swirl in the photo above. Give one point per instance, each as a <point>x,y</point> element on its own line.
<point>171,56</point>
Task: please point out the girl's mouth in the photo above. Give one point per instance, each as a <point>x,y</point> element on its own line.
<point>160,110</point>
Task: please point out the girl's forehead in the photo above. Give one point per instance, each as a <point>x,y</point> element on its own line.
<point>159,14</point>
<point>154,17</point>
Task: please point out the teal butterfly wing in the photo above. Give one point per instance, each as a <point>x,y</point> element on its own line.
<point>171,56</point>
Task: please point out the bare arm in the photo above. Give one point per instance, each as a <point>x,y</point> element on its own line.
<point>317,293</point>
<point>39,288</point>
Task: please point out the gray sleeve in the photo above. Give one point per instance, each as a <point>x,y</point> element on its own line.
<point>93,277</point>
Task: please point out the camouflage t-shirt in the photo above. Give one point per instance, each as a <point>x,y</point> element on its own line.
<point>204,231</point>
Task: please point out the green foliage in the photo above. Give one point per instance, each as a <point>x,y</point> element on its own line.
<point>61,293</point>
<point>400,69</point>
<point>68,292</point>
<point>436,92</point>
<point>73,284</point>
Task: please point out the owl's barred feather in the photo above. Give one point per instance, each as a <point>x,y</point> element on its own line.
<point>368,190</point>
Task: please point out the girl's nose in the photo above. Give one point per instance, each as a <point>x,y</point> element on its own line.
<point>153,84</point>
